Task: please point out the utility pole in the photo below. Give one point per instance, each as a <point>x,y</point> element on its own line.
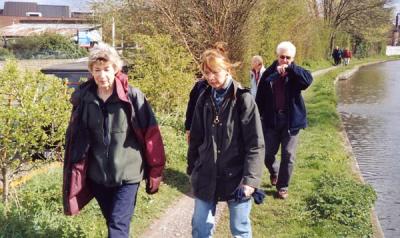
<point>113,32</point>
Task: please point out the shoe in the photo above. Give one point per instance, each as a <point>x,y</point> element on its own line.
<point>283,194</point>
<point>274,180</point>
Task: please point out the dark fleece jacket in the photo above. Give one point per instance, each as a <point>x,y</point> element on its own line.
<point>75,190</point>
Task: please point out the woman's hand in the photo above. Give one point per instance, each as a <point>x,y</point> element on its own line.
<point>248,190</point>
<point>188,136</point>
<point>153,184</point>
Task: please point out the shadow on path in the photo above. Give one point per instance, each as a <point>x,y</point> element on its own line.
<point>177,179</point>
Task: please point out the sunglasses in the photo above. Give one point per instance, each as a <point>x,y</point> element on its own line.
<point>285,57</point>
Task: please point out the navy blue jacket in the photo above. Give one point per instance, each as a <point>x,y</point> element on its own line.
<point>297,79</point>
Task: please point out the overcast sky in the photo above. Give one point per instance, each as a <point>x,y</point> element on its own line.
<point>74,5</point>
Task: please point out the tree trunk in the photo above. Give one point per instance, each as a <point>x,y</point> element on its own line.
<point>332,37</point>
<point>4,173</point>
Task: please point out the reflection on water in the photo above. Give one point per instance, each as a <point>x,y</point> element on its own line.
<point>369,104</point>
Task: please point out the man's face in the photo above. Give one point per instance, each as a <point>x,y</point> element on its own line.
<point>103,73</point>
<point>285,58</point>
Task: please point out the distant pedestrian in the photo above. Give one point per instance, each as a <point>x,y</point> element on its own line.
<point>283,113</point>
<point>225,150</point>
<point>112,143</point>
<point>346,56</point>
<point>257,69</point>
<point>337,55</point>
<point>340,56</point>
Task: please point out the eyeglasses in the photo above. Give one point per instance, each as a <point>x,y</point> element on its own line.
<point>285,57</point>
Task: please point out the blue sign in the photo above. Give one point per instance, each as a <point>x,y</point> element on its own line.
<point>83,39</point>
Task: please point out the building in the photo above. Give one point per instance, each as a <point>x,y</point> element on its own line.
<point>21,19</point>
<point>21,9</point>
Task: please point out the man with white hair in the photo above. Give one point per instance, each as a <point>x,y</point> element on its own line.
<point>257,69</point>
<point>283,113</point>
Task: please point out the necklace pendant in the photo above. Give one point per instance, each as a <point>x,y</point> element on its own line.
<point>216,120</point>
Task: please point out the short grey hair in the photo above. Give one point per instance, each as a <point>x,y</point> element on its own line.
<point>104,53</point>
<point>286,46</point>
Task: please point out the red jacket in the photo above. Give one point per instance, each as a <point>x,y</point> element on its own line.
<point>75,191</point>
<point>346,54</point>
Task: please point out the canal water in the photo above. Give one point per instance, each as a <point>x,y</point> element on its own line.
<point>369,104</point>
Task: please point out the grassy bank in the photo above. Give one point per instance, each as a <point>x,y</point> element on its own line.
<point>326,198</point>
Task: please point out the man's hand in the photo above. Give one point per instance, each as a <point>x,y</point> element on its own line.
<point>248,190</point>
<point>153,184</point>
<point>282,69</point>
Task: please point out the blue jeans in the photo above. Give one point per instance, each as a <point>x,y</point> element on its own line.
<point>117,205</point>
<point>204,218</point>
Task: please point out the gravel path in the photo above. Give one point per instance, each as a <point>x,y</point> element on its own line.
<point>176,221</point>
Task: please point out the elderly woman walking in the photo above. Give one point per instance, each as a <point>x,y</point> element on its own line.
<point>226,148</point>
<point>112,143</point>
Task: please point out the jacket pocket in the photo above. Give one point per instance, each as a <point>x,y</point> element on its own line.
<point>230,180</point>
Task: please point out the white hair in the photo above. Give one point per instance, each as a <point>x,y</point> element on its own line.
<point>286,46</point>
<point>106,53</point>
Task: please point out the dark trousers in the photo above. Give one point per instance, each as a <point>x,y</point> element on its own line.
<point>117,205</point>
<point>275,137</point>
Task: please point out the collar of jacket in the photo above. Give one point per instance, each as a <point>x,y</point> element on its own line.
<point>231,92</point>
<point>121,84</point>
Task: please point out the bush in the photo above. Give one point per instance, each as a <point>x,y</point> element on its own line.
<point>343,201</point>
<point>34,113</point>
<point>5,54</point>
<point>163,71</point>
<point>48,45</point>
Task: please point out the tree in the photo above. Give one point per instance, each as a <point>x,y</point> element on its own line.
<point>353,16</point>
<point>163,71</point>
<point>198,24</point>
<point>273,21</point>
<point>34,112</point>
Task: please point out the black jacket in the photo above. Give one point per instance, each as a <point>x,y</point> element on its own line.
<point>297,79</point>
<point>197,89</point>
<point>223,155</point>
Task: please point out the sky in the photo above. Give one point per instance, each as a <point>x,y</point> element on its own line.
<point>75,5</point>
<point>396,4</point>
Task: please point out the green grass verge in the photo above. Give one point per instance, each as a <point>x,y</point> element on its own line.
<point>326,198</point>
<point>36,207</point>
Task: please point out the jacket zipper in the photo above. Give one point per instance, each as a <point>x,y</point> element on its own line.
<point>287,105</point>
<point>273,102</point>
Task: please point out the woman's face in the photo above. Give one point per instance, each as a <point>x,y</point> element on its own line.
<point>104,74</point>
<point>215,78</point>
